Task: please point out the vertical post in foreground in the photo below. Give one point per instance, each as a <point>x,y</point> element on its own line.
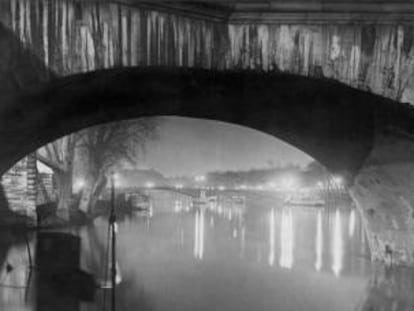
<point>112,223</point>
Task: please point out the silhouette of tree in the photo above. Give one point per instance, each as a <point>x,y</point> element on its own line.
<point>105,146</point>
<point>59,156</point>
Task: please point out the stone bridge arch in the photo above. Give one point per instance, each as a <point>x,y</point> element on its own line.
<point>366,135</point>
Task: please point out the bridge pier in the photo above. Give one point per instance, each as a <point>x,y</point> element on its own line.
<point>383,192</point>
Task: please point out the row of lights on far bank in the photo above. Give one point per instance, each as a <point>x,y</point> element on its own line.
<point>286,184</point>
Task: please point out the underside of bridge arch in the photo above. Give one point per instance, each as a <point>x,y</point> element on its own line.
<point>365,137</point>
<point>333,123</point>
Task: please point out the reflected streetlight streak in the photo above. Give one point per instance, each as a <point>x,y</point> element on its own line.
<point>319,242</point>
<point>199,235</point>
<point>234,233</point>
<point>272,238</point>
<point>352,223</point>
<point>243,240</point>
<point>178,206</point>
<point>196,238</point>
<point>337,247</point>
<point>286,239</point>
<point>201,251</point>
<point>182,237</point>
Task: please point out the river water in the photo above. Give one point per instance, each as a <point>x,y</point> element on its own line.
<point>261,256</point>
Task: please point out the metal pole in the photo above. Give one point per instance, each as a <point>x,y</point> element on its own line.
<point>28,250</point>
<point>112,220</point>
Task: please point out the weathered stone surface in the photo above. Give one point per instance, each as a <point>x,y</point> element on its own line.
<point>20,187</point>
<point>383,191</point>
<point>377,58</point>
<point>71,37</point>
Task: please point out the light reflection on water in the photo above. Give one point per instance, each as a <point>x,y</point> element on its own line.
<point>286,239</point>
<point>272,238</point>
<point>337,244</point>
<point>205,260</point>
<point>199,234</point>
<point>352,223</point>
<point>319,242</point>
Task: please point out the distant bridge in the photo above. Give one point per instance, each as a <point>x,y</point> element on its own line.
<point>191,192</point>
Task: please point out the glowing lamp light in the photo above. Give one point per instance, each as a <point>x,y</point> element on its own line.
<point>222,188</point>
<point>149,184</point>
<point>117,179</point>
<point>338,181</point>
<point>200,178</point>
<point>79,183</point>
<point>179,186</point>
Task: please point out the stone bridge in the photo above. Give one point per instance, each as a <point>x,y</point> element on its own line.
<point>329,82</point>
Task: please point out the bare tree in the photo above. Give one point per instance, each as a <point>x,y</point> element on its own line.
<point>59,156</point>
<point>108,145</point>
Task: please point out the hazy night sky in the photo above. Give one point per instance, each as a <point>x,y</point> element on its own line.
<point>192,146</point>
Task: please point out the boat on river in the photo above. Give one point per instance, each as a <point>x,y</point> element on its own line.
<point>304,200</point>
<point>141,204</point>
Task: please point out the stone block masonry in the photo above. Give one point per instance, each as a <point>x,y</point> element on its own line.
<point>19,184</point>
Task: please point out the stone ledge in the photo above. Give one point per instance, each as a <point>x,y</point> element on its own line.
<point>290,12</point>
<point>318,18</point>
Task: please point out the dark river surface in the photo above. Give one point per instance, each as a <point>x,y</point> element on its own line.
<point>260,256</point>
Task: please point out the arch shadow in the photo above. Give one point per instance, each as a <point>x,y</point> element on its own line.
<point>333,123</point>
